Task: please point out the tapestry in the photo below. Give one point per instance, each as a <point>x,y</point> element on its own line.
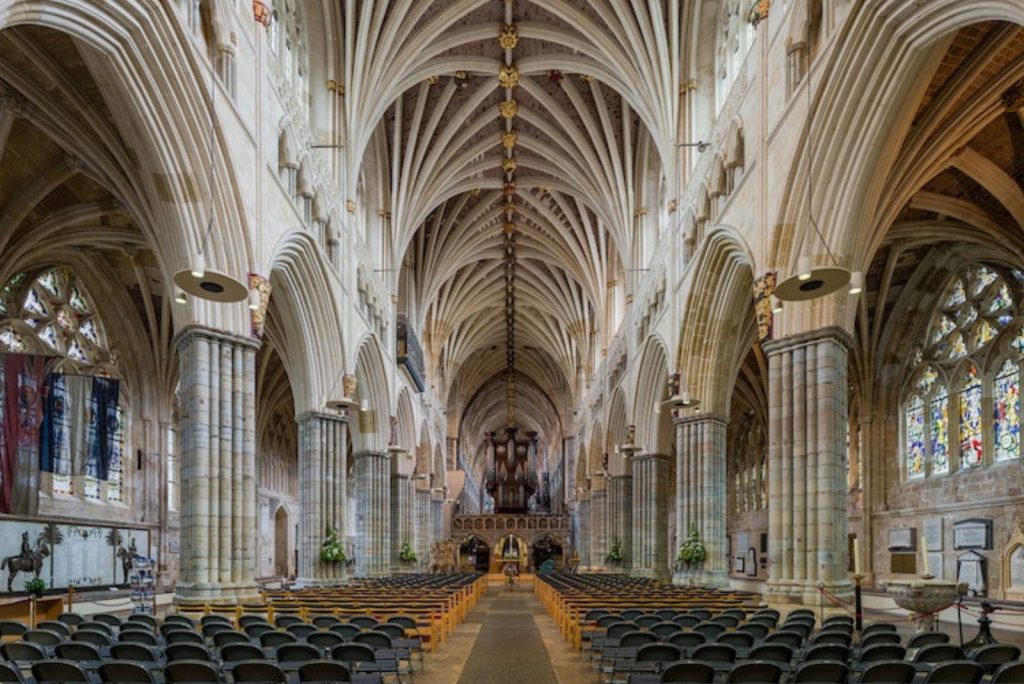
<point>22,414</point>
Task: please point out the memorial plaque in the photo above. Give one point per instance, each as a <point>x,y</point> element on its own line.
<point>751,564</point>
<point>904,563</point>
<point>974,533</point>
<point>1017,568</point>
<point>933,534</point>
<point>739,564</point>
<point>970,568</point>
<point>935,564</point>
<point>903,539</point>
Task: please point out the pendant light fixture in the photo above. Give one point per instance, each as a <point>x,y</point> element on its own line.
<point>198,280</point>
<point>810,282</point>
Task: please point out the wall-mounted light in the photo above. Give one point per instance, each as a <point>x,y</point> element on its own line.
<point>180,296</point>
<point>364,405</point>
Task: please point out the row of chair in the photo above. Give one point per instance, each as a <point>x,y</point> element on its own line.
<point>832,672</point>
<point>192,672</point>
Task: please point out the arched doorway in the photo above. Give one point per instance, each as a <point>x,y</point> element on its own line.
<point>547,549</point>
<point>475,553</point>
<point>281,542</point>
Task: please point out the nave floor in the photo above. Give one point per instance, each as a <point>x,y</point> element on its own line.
<point>508,638</point>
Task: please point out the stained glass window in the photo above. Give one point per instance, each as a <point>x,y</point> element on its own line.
<point>940,433</point>
<point>976,306</point>
<point>57,318</point>
<point>1006,410</point>
<point>971,444</point>
<point>12,340</point>
<point>114,484</point>
<point>915,439</point>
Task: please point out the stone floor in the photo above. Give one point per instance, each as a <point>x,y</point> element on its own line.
<point>507,639</point>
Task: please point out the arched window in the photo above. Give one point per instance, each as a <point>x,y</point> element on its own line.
<point>972,450</point>
<point>735,35</point>
<point>1006,411</point>
<point>83,437</point>
<point>976,315</point>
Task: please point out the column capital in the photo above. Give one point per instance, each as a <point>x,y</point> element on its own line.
<point>306,416</point>
<point>369,453</point>
<point>698,419</point>
<point>190,332</point>
<point>833,333</point>
<point>399,476</point>
<point>650,456</point>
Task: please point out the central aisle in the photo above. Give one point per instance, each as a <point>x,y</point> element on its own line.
<point>508,648</point>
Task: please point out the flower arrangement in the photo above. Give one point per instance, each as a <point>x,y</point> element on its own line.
<point>332,550</point>
<point>406,554</point>
<point>692,550</point>
<point>615,552</point>
<point>35,586</point>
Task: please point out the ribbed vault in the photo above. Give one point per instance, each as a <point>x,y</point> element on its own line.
<point>555,170</point>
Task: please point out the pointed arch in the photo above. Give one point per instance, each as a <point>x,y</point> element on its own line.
<point>713,343</point>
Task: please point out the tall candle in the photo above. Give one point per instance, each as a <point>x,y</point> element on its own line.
<point>856,556</point>
<point>924,555</point>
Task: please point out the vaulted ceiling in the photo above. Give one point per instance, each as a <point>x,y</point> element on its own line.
<point>524,163</point>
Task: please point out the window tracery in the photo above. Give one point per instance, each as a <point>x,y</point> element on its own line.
<point>51,314</point>
<point>971,356</point>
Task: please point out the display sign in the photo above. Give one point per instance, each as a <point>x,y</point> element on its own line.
<point>67,555</point>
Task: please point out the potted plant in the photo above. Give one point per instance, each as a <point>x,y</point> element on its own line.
<point>692,552</point>
<point>332,550</point>
<point>614,555</point>
<point>406,554</point>
<point>35,586</point>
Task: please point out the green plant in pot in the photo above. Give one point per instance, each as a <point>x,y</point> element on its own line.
<point>692,552</point>
<point>332,550</point>
<point>35,586</point>
<point>614,555</point>
<point>406,554</point>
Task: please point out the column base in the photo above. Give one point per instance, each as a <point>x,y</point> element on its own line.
<point>806,592</point>
<point>305,582</point>
<point>719,579</point>
<point>187,593</point>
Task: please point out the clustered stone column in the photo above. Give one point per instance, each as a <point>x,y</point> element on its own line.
<point>401,516</point>
<point>218,465</point>
<point>807,525</point>
<point>620,515</point>
<point>701,491</point>
<point>598,524</point>
<point>372,474</point>
<point>437,512</point>
<point>322,484</point>
<point>583,532</point>
<point>424,527</point>
<point>650,515</point>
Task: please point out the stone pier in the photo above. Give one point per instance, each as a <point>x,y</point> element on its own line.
<point>322,488</point>
<point>807,396</point>
<point>218,465</point>
<point>372,474</point>
<point>651,491</point>
<point>701,491</point>
<point>620,516</point>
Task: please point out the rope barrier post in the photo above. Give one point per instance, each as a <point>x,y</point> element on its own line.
<point>821,603</point>
<point>858,606</point>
